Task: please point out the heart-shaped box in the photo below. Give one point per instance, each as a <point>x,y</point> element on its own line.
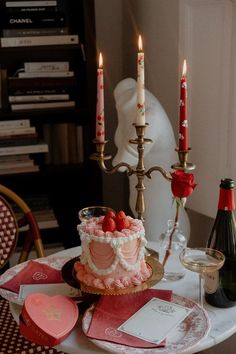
<point>47,320</point>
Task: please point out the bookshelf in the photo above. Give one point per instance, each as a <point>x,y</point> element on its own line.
<point>48,79</point>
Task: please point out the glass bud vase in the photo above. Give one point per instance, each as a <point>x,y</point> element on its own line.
<point>173,269</point>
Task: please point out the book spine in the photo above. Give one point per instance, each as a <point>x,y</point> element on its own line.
<point>19,158</point>
<point>13,164</point>
<point>43,105</point>
<point>1,101</point>
<point>41,83</point>
<point>46,66</point>
<point>39,40</point>
<point>17,132</point>
<point>47,3</point>
<point>37,201</point>
<point>16,137</point>
<point>17,142</point>
<point>28,32</point>
<point>30,10</point>
<point>35,92</point>
<point>23,169</point>
<point>20,20</point>
<point>80,144</point>
<point>38,98</point>
<point>25,149</point>
<point>4,89</point>
<point>10,124</point>
<point>46,74</point>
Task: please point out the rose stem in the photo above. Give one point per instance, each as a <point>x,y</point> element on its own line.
<point>168,251</point>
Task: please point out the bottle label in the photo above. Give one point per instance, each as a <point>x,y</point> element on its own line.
<point>226,199</point>
<point>211,282</point>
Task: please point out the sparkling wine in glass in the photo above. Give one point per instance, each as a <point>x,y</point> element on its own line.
<point>93,211</point>
<point>202,261</point>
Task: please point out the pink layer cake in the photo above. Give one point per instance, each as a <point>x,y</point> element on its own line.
<point>112,260</point>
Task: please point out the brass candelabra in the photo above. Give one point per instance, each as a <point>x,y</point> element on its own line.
<point>139,171</point>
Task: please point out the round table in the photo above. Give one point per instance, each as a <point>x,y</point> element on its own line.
<point>223,321</point>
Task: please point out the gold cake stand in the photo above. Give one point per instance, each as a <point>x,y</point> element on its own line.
<point>151,260</point>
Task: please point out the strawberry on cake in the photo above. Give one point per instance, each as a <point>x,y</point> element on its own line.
<point>113,250</point>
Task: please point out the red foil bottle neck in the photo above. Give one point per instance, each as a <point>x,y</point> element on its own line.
<point>226,199</point>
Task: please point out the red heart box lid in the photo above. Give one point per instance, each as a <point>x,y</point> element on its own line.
<point>47,320</point>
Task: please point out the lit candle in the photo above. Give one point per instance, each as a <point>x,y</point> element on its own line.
<point>183,119</point>
<point>100,123</point>
<point>140,85</point>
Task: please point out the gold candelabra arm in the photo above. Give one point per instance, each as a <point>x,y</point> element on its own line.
<point>165,174</point>
<point>100,157</point>
<point>114,169</point>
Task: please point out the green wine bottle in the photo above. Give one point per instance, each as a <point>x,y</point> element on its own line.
<point>220,286</point>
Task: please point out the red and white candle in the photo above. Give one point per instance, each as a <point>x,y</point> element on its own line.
<point>140,85</point>
<point>183,118</point>
<point>100,122</point>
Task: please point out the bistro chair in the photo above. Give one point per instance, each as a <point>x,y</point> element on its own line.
<point>10,226</point>
<point>11,341</point>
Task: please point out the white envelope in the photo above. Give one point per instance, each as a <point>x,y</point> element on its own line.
<point>49,289</point>
<point>155,320</point>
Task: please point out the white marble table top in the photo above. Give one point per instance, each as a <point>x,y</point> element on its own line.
<point>223,321</point>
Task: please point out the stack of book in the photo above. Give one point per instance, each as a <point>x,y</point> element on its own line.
<point>41,208</point>
<point>37,85</point>
<point>23,98</point>
<point>34,23</point>
<point>18,140</point>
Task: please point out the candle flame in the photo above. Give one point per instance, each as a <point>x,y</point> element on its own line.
<point>100,61</point>
<point>184,68</point>
<point>140,43</point>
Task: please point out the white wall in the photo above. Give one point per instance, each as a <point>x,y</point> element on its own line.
<point>159,29</point>
<point>207,32</point>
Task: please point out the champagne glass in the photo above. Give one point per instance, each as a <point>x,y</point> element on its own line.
<point>202,261</point>
<point>93,211</point>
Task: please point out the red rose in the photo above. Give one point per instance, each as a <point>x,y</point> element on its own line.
<point>182,184</point>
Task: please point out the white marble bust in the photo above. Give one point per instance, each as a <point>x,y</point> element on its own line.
<point>158,197</point>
